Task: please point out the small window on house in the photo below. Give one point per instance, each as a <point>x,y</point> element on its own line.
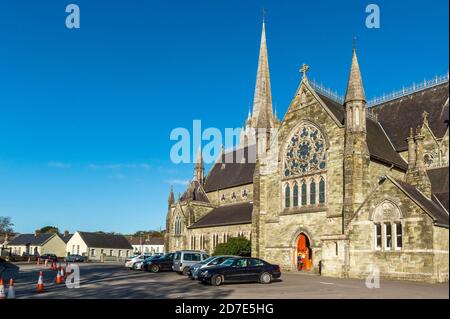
<point>92,252</point>
<point>378,236</point>
<point>222,198</point>
<point>110,252</point>
<point>287,196</point>
<point>244,193</point>
<point>336,247</point>
<point>295,199</point>
<point>119,253</point>
<point>388,236</point>
<point>399,235</point>
<point>233,196</point>
<point>78,249</point>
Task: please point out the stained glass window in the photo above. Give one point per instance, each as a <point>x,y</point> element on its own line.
<point>303,193</point>
<point>321,191</point>
<point>295,199</point>
<point>287,196</point>
<point>312,192</point>
<point>305,152</point>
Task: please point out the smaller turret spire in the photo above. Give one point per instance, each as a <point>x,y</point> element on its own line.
<point>355,88</point>
<point>171,199</point>
<point>199,169</point>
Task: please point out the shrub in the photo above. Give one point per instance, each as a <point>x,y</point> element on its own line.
<point>239,246</point>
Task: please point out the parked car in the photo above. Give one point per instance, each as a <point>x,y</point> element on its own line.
<point>242,269</point>
<point>160,264</point>
<point>211,261</point>
<point>139,264</point>
<point>48,257</point>
<point>186,258</point>
<point>130,262</point>
<point>75,258</point>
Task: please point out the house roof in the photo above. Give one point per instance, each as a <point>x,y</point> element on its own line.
<point>380,147</point>
<point>30,239</point>
<point>226,175</point>
<point>399,115</point>
<point>135,240</point>
<point>100,240</point>
<point>234,214</point>
<point>434,210</point>
<point>66,238</point>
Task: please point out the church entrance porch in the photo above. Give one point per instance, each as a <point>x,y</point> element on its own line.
<point>303,253</point>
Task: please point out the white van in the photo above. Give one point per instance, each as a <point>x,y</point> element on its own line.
<point>186,258</point>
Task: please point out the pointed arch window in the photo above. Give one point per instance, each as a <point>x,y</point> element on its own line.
<point>287,196</point>
<point>304,193</point>
<point>312,192</point>
<point>321,191</point>
<point>178,225</point>
<point>295,193</point>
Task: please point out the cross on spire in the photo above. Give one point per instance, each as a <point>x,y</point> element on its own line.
<point>304,69</point>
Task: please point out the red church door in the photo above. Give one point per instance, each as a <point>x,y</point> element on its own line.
<point>304,250</point>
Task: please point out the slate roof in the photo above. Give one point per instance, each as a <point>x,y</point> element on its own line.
<point>99,240</point>
<point>439,215</point>
<point>439,178</point>
<point>30,239</point>
<point>234,214</point>
<point>225,175</point>
<point>134,240</point>
<point>66,238</point>
<point>397,116</point>
<point>380,148</point>
<point>195,192</point>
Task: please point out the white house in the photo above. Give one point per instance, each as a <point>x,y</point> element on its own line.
<point>146,245</point>
<point>37,244</point>
<point>99,246</point>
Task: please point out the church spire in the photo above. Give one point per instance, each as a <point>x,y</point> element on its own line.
<point>262,102</point>
<point>171,199</point>
<point>355,88</point>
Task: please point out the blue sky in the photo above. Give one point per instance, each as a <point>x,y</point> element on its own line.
<point>85,115</point>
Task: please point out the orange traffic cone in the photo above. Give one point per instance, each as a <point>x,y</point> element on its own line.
<point>11,290</point>
<point>58,279</point>
<point>40,284</point>
<point>2,289</point>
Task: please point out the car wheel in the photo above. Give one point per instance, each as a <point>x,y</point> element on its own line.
<point>154,268</point>
<point>216,280</point>
<point>265,278</point>
<point>185,271</point>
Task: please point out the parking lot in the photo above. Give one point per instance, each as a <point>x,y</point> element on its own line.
<point>112,280</point>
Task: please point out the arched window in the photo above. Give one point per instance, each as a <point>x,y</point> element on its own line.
<point>287,196</point>
<point>321,191</point>
<point>312,192</point>
<point>178,224</point>
<point>295,199</point>
<point>388,227</point>
<point>305,152</point>
<point>303,193</point>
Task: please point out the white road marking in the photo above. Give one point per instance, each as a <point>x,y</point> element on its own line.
<point>326,283</point>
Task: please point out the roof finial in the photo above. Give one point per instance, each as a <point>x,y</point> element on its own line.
<point>304,69</point>
<point>354,42</point>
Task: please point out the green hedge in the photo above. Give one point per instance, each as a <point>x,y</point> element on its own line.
<point>239,246</point>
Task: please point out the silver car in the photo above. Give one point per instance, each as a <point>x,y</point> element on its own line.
<point>184,259</point>
<point>195,270</point>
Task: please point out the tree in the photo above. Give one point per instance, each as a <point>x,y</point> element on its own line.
<point>6,225</point>
<point>239,246</point>
<point>48,230</point>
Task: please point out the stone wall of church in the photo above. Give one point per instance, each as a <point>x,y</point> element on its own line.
<point>441,251</point>
<point>202,238</point>
<point>414,260</point>
<point>238,194</point>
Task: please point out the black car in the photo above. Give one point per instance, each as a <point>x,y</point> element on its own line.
<point>75,258</point>
<point>163,263</point>
<point>243,269</point>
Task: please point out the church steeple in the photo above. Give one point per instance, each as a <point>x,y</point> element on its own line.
<point>355,99</point>
<point>171,199</point>
<point>262,102</point>
<point>199,169</point>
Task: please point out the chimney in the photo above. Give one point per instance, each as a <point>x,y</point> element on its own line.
<point>66,233</point>
<point>36,233</point>
<point>411,151</point>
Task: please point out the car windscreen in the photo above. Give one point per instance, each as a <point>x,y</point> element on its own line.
<point>177,256</point>
<point>207,260</point>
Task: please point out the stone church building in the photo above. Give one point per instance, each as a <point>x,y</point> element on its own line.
<point>353,189</point>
